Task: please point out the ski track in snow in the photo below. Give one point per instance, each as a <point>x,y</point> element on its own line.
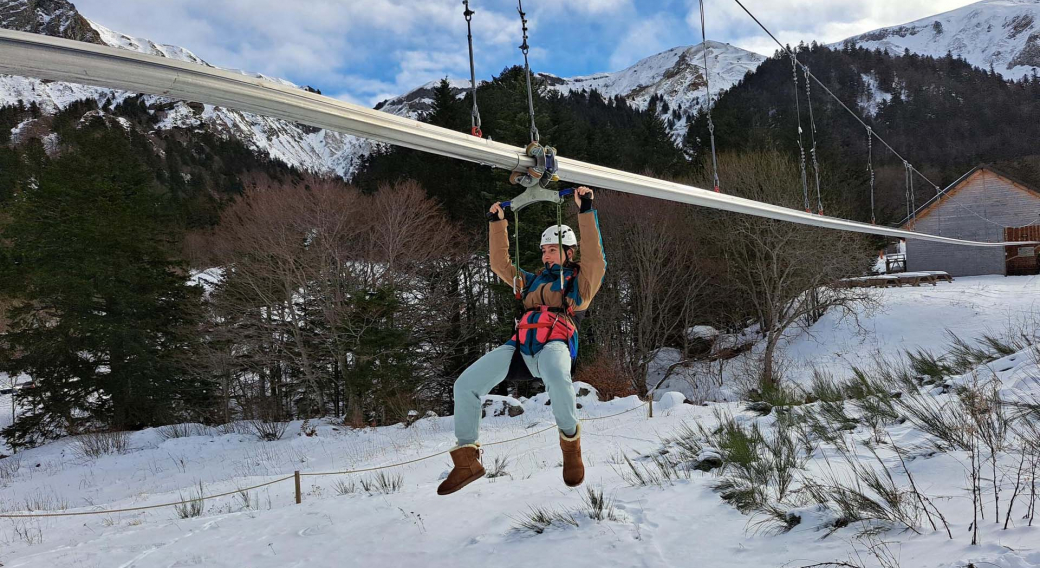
<point>683,524</point>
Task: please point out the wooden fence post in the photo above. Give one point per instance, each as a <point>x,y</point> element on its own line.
<point>299,497</point>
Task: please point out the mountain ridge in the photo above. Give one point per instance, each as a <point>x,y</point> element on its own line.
<point>1000,34</point>
<point>675,74</point>
<point>310,149</point>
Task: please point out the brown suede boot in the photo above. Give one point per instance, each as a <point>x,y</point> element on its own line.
<point>573,469</point>
<point>467,469</point>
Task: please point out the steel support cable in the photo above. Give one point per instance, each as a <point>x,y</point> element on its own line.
<point>475,112</point>
<point>856,116</point>
<point>870,167</point>
<point>707,105</point>
<point>798,116</point>
<point>913,199</point>
<point>908,175</point>
<point>559,247</point>
<point>57,59</point>
<point>820,83</point>
<point>812,130</point>
<point>527,69</point>
<point>906,188</point>
<point>516,245</point>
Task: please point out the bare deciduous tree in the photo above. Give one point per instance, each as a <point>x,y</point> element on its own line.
<point>654,282</point>
<point>313,270</point>
<point>263,241</point>
<point>784,272</point>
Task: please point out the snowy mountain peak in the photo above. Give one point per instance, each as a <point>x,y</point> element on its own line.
<point>141,45</point>
<point>57,18</point>
<point>420,100</point>
<point>677,75</point>
<point>1002,34</point>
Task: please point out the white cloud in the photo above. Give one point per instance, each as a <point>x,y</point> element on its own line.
<point>368,50</point>
<point>419,67</point>
<point>348,97</point>
<point>645,38</point>
<point>328,43</point>
<point>591,7</point>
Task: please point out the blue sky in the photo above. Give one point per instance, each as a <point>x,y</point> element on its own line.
<point>364,51</point>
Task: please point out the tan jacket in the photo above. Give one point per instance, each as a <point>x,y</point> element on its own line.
<point>589,276</point>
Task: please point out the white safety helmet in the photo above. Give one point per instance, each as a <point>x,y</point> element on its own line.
<point>557,233</point>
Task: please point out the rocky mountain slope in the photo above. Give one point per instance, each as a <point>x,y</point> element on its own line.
<point>304,147</point>
<point>1000,34</point>
<point>675,75</point>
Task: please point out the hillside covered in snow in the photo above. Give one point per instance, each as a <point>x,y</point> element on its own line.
<point>1000,34</point>
<point>675,76</point>
<point>307,148</point>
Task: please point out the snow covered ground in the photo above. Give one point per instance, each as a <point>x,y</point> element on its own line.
<point>919,317</point>
<point>682,523</point>
<point>909,318</point>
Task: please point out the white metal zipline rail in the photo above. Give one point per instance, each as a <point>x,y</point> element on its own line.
<point>56,59</point>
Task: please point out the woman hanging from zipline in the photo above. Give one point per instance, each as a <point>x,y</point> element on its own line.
<point>546,338</point>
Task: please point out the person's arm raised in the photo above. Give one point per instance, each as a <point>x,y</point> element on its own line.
<point>593,260</point>
<point>498,247</point>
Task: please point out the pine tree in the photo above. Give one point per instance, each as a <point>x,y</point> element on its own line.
<point>104,317</point>
<point>447,111</point>
<point>10,172</point>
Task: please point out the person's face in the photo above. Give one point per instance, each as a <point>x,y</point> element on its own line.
<point>551,254</point>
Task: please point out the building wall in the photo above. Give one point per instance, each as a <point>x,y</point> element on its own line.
<point>990,196</point>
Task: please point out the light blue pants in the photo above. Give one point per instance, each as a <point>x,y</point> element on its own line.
<point>552,364</point>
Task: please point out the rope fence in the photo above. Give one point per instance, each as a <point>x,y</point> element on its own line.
<point>296,477</point>
<point>145,507</point>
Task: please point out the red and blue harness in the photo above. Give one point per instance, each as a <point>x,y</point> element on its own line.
<point>545,324</point>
